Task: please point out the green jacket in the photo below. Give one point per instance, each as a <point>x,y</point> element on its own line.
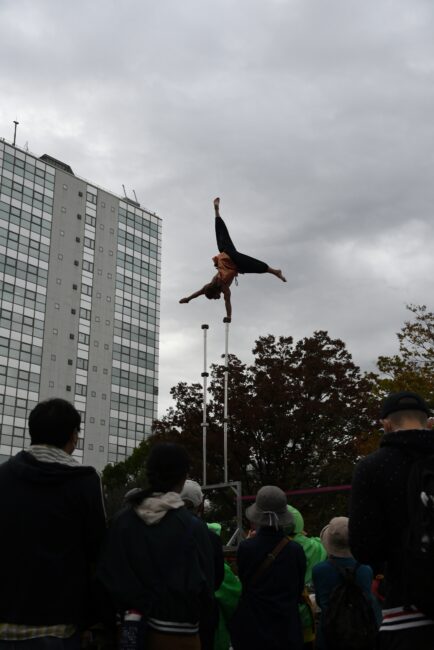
<point>227,597</point>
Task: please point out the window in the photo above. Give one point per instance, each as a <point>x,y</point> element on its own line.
<point>101,448</point>
<point>92,420</point>
<point>85,313</point>
<point>94,368</point>
<point>76,262</point>
<point>99,271</point>
<point>82,363</point>
<point>83,338</point>
<point>71,336</point>
<point>63,209</point>
<point>56,305</point>
<point>53,357</point>
<point>79,217</point>
<point>65,187</point>
<point>69,362</point>
<point>74,287</point>
<point>68,388</point>
<point>62,233</point>
<point>90,447</point>
<point>80,194</point>
<point>86,289</point>
<point>51,384</point>
<point>97,319</point>
<point>102,422</point>
<point>80,389</point>
<point>55,332</point>
<point>102,204</point>
<point>58,281</point>
<point>109,299</point>
<point>89,242</point>
<point>60,256</point>
<point>93,393</point>
<point>77,239</point>
<point>87,266</point>
<point>109,275</point>
<point>100,248</point>
<point>105,371</point>
<point>73,311</point>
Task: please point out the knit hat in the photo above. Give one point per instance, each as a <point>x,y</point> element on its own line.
<point>334,536</point>
<point>270,508</point>
<point>403,401</point>
<point>192,492</point>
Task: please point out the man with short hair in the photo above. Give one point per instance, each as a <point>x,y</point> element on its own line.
<point>53,523</point>
<point>379,517</point>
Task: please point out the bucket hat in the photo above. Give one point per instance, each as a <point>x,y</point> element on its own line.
<point>270,508</point>
<point>334,536</point>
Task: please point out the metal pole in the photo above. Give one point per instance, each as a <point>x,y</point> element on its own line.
<point>225,412</point>
<point>204,422</point>
<point>15,131</point>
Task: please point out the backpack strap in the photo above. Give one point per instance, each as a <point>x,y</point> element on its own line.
<point>269,560</point>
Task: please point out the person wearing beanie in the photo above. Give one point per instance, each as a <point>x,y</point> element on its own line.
<point>379,517</point>
<point>271,568</point>
<point>193,498</point>
<point>157,564</point>
<point>326,575</point>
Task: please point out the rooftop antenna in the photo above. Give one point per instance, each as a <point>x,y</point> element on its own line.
<point>124,191</point>
<point>15,131</point>
<point>26,147</point>
<point>135,195</point>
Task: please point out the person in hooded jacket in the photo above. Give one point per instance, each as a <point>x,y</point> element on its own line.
<point>379,515</point>
<point>53,524</point>
<point>158,563</point>
<point>315,552</point>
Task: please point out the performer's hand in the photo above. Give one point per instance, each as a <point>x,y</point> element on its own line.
<point>226,319</point>
<point>183,301</point>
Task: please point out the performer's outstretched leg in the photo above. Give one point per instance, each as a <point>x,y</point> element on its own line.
<point>224,241</point>
<point>245,263</point>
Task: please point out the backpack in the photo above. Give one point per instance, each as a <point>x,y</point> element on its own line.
<point>349,622</point>
<point>419,546</point>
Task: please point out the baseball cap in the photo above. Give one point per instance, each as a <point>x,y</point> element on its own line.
<point>403,401</point>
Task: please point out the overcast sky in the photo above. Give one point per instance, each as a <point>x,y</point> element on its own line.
<point>313,120</point>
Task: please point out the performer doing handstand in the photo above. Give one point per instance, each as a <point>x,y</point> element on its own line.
<point>229,262</point>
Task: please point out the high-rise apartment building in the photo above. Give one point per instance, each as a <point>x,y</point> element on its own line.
<point>79,306</point>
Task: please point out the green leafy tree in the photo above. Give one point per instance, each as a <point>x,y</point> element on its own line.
<point>413,367</point>
<point>296,415</point>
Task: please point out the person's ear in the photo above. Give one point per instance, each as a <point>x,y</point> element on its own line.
<point>387,425</point>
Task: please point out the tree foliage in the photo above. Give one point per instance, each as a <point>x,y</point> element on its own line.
<point>413,367</point>
<point>295,415</point>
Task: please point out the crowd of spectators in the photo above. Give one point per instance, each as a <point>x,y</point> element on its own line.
<point>156,576</point>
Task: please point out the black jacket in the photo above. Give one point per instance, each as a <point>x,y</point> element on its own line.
<point>52,525</point>
<point>164,570</point>
<point>378,510</point>
<point>267,615</point>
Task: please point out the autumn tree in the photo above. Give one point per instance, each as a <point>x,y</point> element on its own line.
<point>295,414</point>
<point>413,367</point>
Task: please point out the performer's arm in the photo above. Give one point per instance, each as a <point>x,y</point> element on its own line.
<point>196,294</point>
<point>227,297</point>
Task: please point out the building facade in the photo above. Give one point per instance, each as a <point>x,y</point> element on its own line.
<point>79,306</point>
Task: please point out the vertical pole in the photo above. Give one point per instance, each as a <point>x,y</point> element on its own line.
<point>15,131</point>
<point>225,411</point>
<point>204,422</point>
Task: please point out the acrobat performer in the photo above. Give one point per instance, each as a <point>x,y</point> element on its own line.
<point>229,262</point>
